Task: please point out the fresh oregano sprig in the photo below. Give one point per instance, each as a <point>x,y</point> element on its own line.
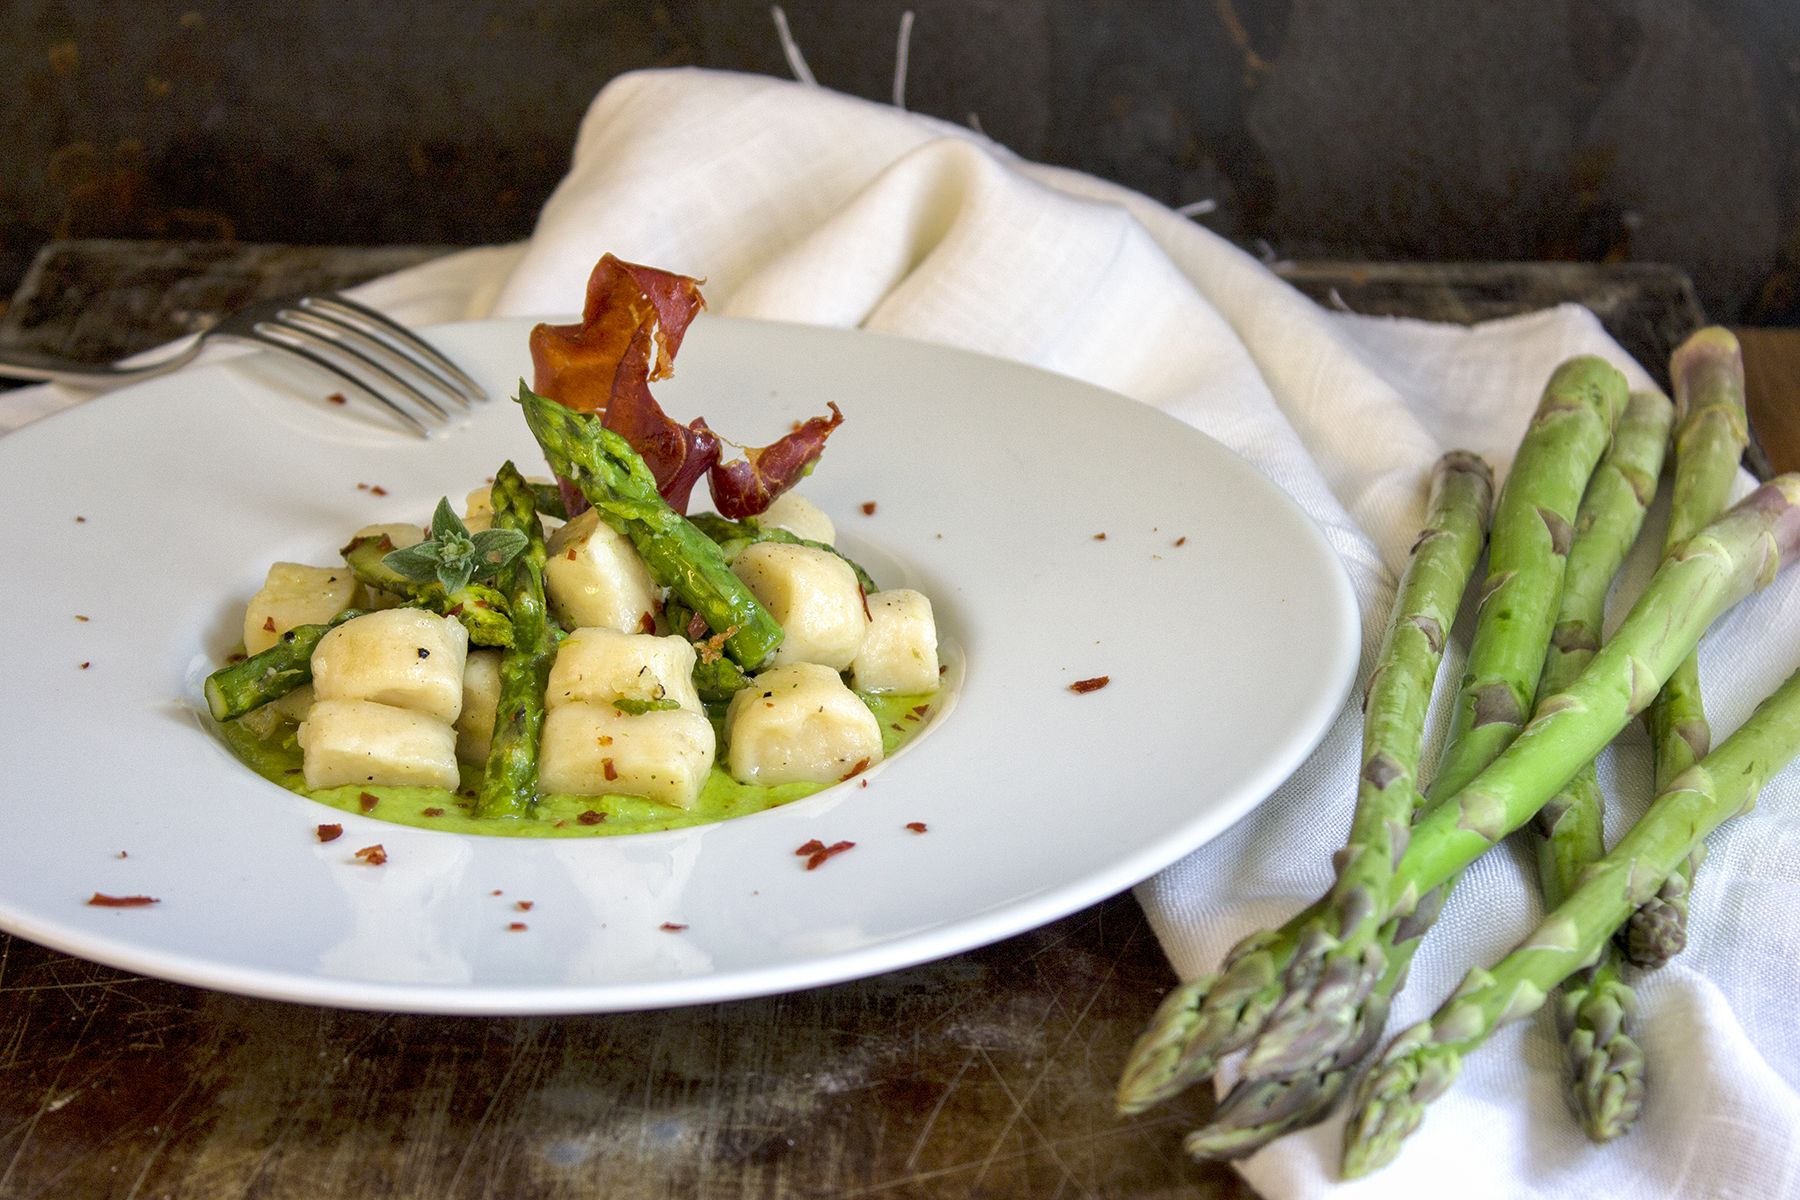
<point>453,556</point>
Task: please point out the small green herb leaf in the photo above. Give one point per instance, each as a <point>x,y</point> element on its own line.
<point>454,557</point>
<point>494,548</point>
<point>418,563</point>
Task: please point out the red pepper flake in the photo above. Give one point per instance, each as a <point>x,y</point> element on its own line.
<point>378,490</point>
<point>916,826</point>
<point>671,927</point>
<point>86,665</point>
<point>696,628</point>
<point>385,544</point>
<point>496,892</point>
<point>590,817</point>
<point>122,854</point>
<point>1099,537</point>
<point>868,508</point>
<point>862,764</point>
<point>330,833</point>
<point>373,855</point>
<point>367,801</point>
<point>81,520</point>
<point>896,726</point>
<point>1083,686</point>
<point>483,604</point>
<point>453,611</point>
<point>571,554</point>
<point>522,905</point>
<point>336,398</point>
<point>431,812</point>
<point>607,769</point>
<point>919,710</point>
<point>362,487</point>
<point>268,624</point>
<point>647,623</point>
<point>1182,540</point>
<point>862,783</point>
<point>79,617</point>
<point>102,900</point>
<point>517,927</point>
<point>236,657</point>
<point>816,852</point>
<point>820,852</point>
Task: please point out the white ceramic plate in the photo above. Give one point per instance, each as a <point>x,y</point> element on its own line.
<point>1228,654</point>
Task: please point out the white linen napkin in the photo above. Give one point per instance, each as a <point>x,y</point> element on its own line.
<point>800,204</point>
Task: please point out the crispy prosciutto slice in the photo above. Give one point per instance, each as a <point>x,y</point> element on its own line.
<point>630,330</point>
<point>579,365</point>
<point>746,486</point>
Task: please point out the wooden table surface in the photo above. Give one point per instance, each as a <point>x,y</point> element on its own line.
<point>988,1074</point>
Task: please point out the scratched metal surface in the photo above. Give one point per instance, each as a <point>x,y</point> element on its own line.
<point>985,1075</point>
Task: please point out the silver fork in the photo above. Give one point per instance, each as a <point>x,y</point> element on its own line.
<point>370,353</point>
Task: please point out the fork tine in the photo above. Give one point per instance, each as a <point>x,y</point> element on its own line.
<point>263,338</point>
<point>333,334</point>
<point>452,375</point>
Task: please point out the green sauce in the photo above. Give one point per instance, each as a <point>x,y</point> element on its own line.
<point>267,746</point>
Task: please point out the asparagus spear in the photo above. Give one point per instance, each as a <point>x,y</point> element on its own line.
<point>548,500</point>
<point>733,536</point>
<point>1534,521</point>
<point>1264,1106</point>
<point>716,678</point>
<point>1726,561</point>
<point>1424,1060</point>
<point>509,781</point>
<point>235,690</point>
<point>612,476</point>
<point>1207,1018</point>
<point>1533,525</point>
<point>1708,373</point>
<point>480,608</point>
<point>1604,1067</point>
<point>1202,1021</point>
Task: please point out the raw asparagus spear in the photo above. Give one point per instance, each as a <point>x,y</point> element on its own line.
<point>235,690</point>
<point>1342,947</point>
<point>1708,373</point>
<point>509,782</point>
<point>1726,561</point>
<point>1603,1066</point>
<point>1533,525</point>
<point>1734,556</point>
<point>1202,1021</point>
<point>1205,1019</point>
<point>1534,520</point>
<point>607,471</point>
<point>480,608</point>
<point>1424,1061</point>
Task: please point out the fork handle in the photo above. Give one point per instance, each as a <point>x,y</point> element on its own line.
<point>47,368</point>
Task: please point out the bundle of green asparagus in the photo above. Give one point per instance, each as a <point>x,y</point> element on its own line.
<point>1302,1007</point>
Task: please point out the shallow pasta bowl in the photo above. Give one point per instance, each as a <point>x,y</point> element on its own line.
<point>1220,620</point>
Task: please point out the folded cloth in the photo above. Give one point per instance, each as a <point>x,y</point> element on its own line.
<point>799,204</point>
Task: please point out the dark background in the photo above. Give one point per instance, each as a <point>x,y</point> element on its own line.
<point>1589,130</point>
